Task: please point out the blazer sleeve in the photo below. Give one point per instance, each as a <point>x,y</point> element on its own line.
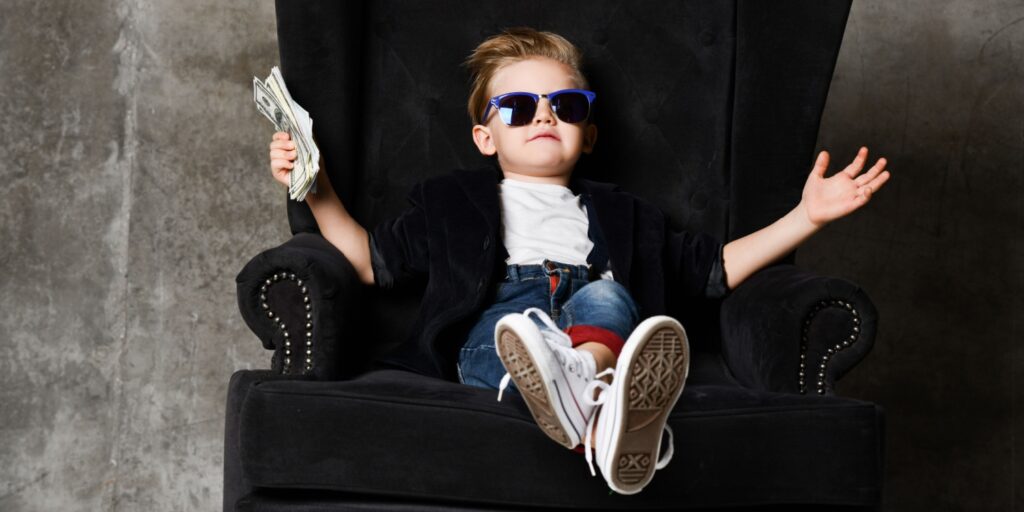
<point>696,265</point>
<point>398,247</point>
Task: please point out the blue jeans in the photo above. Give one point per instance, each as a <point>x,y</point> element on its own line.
<point>575,301</point>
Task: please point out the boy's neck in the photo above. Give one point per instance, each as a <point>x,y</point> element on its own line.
<point>562,180</point>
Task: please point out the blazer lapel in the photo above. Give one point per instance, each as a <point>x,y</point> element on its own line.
<point>481,187</point>
<point>614,213</point>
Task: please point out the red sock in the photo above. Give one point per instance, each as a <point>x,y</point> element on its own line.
<point>584,333</point>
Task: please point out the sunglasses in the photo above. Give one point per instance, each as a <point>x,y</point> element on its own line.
<point>518,108</point>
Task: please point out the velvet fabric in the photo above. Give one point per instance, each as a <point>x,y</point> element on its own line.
<point>768,318</point>
<point>329,279</point>
<point>709,112</point>
<point>461,445</point>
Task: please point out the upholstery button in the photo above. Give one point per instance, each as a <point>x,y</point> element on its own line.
<point>600,37</point>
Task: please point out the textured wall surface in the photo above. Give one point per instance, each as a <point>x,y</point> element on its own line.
<point>133,190</point>
<point>134,186</point>
<point>938,89</point>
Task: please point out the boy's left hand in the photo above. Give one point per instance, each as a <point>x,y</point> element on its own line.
<point>826,199</point>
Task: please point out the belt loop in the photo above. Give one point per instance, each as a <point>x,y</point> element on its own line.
<point>551,270</point>
<point>549,266</point>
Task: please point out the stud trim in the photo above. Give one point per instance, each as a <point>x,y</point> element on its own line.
<point>278,277</point>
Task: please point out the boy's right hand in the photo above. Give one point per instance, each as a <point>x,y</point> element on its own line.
<point>282,157</point>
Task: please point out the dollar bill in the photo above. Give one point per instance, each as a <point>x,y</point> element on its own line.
<point>275,102</point>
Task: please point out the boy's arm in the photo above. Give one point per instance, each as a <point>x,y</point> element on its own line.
<point>339,228</point>
<point>822,201</point>
<point>745,256</point>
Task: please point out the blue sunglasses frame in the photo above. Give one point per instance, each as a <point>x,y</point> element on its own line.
<point>506,114</point>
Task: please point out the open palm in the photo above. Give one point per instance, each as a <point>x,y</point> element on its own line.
<point>827,199</point>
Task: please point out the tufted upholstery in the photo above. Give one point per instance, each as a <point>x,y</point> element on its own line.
<point>710,110</point>
<point>673,79</point>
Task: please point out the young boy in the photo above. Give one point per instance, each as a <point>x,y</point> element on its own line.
<point>545,276</point>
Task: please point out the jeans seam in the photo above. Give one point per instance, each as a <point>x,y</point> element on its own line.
<point>570,320</point>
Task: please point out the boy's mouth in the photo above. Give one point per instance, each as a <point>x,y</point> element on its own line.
<point>546,135</point>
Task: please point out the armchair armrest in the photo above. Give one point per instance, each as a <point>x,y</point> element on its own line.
<point>789,330</point>
<point>297,298</point>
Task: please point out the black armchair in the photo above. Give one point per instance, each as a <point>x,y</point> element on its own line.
<point>708,109</point>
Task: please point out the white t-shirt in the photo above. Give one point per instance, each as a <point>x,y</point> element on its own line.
<point>541,220</point>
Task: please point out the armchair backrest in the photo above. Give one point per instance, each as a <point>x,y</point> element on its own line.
<point>710,110</point>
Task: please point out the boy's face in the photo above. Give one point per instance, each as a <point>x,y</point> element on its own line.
<point>521,154</point>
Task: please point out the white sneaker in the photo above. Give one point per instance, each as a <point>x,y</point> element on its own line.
<point>554,379</point>
<point>649,378</point>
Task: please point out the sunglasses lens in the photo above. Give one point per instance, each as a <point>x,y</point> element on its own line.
<point>517,109</point>
<point>571,107</point>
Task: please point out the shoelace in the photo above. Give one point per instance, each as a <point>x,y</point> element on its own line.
<point>553,334</point>
<point>602,397</point>
<point>559,337</point>
<point>598,402</point>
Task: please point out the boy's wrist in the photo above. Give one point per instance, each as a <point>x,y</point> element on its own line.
<point>323,188</point>
<point>805,218</point>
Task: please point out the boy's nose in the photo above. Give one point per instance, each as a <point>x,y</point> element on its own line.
<point>544,112</point>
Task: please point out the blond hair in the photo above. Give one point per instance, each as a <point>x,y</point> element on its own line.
<point>511,46</point>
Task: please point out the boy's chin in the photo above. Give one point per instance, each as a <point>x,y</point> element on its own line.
<point>548,164</point>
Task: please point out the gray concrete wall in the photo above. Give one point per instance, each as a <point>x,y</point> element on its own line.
<point>937,87</point>
<point>133,187</point>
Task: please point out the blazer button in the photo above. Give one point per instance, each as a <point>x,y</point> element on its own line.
<point>487,242</point>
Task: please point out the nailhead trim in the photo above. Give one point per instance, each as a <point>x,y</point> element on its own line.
<point>277,277</point>
<point>832,351</point>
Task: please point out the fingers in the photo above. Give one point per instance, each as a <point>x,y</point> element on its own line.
<point>872,173</point>
<point>820,165</point>
<point>282,164</point>
<point>858,163</point>
<point>283,154</point>
<point>282,144</point>
<point>865,191</point>
<point>876,184</point>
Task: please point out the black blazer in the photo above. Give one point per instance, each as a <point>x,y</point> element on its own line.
<point>451,235</point>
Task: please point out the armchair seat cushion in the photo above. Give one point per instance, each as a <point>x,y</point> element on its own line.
<point>733,446</point>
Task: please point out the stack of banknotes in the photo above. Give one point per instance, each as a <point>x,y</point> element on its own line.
<point>272,99</point>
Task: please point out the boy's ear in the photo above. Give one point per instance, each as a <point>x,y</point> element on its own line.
<point>589,138</point>
<point>483,140</point>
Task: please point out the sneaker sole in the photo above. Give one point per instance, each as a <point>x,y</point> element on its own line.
<point>658,367</point>
<point>532,384</point>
